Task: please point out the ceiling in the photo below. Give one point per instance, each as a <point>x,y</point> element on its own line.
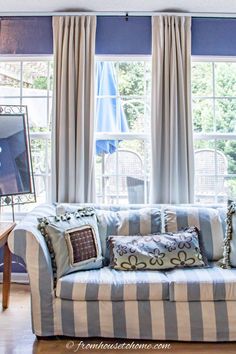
<point>212,6</point>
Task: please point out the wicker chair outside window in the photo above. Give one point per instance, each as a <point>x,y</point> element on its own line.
<point>129,165</point>
<point>210,172</point>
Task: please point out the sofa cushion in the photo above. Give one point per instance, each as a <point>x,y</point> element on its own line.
<point>208,284</point>
<point>207,220</point>
<point>110,284</point>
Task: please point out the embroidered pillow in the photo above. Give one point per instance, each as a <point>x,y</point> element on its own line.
<point>159,252</point>
<point>73,241</point>
<point>107,223</point>
<point>229,255</point>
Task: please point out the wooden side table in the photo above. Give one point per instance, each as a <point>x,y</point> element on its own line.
<point>5,229</point>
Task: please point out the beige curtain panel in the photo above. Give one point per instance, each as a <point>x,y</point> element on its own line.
<point>73,177</point>
<point>172,178</point>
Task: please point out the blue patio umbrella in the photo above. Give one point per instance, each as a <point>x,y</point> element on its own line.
<point>109,111</point>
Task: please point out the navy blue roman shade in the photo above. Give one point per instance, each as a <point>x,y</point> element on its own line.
<point>116,35</point>
<point>26,35</point>
<point>214,36</point>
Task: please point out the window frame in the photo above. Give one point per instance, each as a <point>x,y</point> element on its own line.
<point>46,136</point>
<point>213,136</point>
<point>122,136</point>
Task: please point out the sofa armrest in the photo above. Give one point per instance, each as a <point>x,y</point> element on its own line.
<point>27,242</point>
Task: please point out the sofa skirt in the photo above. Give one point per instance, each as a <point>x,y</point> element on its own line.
<point>153,320</point>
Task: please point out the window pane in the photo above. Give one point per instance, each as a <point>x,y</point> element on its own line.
<point>136,114</point>
<point>109,115</point>
<point>10,74</point>
<point>9,101</point>
<point>35,78</point>
<point>140,148</point>
<point>50,77</point>
<point>119,172</point>
<point>228,147</point>
<point>231,187</point>
<point>148,78</point>
<point>131,78</point>
<point>225,76</point>
<point>37,111</point>
<point>203,115</point>
<point>210,168</point>
<point>40,151</point>
<point>215,167</point>
<point>202,79</point>
<point>225,115</point>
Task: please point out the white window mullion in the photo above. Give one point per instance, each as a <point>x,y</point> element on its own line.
<point>214,124</point>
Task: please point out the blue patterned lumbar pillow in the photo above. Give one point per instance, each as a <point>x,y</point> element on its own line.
<point>161,251</point>
<point>73,241</point>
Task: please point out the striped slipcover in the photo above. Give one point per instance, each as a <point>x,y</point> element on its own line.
<point>148,310</point>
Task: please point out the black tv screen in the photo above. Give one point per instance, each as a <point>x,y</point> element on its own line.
<point>15,172</point>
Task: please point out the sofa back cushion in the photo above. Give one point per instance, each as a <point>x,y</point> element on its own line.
<point>107,225</point>
<point>130,222</point>
<point>139,222</point>
<point>207,220</point>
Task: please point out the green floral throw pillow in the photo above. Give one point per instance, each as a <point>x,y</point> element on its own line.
<point>162,251</point>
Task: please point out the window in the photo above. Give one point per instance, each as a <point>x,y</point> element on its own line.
<point>214,118</point>
<point>123,130</point>
<point>28,81</point>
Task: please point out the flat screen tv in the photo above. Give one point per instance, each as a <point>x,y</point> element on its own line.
<point>15,160</point>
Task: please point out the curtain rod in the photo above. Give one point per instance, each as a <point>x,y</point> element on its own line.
<point>122,13</point>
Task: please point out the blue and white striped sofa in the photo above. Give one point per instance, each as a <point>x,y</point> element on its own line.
<point>181,304</point>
